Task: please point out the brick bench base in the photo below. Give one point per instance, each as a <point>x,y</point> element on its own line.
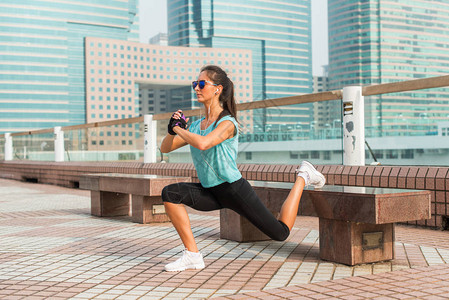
<point>356,223</point>
<point>112,193</point>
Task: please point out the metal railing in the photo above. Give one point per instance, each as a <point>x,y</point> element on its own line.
<point>134,149</point>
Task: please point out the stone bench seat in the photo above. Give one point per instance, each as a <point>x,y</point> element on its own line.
<point>356,224</point>
<point>112,193</point>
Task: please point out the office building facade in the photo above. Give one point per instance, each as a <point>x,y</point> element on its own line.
<point>277,33</point>
<point>379,41</point>
<point>117,70</point>
<point>42,77</point>
<point>324,112</point>
<point>126,79</point>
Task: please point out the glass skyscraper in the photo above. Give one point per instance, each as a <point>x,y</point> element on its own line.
<point>277,33</point>
<point>379,41</point>
<point>42,61</point>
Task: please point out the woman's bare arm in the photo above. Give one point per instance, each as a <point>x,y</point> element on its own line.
<point>224,131</point>
<point>171,143</point>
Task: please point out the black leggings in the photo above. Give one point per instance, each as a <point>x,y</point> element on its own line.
<point>238,196</point>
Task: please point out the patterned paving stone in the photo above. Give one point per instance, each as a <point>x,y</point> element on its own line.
<point>51,247</point>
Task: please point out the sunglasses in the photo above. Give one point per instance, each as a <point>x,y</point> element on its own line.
<point>201,84</point>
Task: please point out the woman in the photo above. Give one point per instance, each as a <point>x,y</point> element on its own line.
<point>213,143</point>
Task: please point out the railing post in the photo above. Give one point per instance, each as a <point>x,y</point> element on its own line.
<point>353,126</point>
<point>59,144</point>
<point>8,146</point>
<point>150,145</point>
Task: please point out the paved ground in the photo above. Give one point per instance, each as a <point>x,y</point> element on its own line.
<point>50,248</point>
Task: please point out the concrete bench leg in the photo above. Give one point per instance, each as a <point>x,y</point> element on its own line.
<point>108,204</point>
<point>353,243</point>
<point>234,227</point>
<point>148,209</point>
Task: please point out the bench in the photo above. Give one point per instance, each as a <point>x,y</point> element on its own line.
<point>356,224</point>
<point>112,193</point>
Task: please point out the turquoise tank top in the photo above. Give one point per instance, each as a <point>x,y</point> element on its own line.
<point>217,164</point>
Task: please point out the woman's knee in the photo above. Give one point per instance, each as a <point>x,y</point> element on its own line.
<point>164,194</point>
<point>170,193</point>
<point>280,237</point>
<point>282,234</point>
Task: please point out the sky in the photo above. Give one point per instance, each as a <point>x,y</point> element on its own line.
<point>153,20</point>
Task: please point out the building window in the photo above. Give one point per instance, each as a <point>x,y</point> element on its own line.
<point>392,154</point>
<point>379,154</point>
<point>248,155</point>
<point>407,153</point>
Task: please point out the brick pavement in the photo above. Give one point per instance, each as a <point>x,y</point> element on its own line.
<point>50,247</point>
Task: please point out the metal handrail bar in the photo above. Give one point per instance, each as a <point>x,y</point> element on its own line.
<point>385,88</point>
<point>405,86</point>
<point>81,126</point>
<point>307,98</point>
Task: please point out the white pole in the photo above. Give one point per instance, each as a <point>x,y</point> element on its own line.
<point>353,126</point>
<point>150,145</point>
<point>59,144</point>
<point>8,146</point>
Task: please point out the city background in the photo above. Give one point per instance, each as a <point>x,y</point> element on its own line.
<point>68,64</point>
<point>86,91</point>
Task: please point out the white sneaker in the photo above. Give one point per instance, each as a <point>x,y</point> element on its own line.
<point>188,260</point>
<point>314,178</point>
